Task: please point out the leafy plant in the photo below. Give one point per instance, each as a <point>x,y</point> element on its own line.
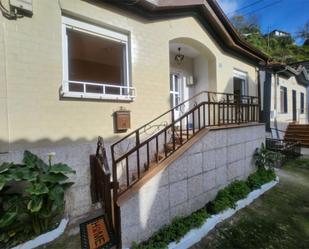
<point>260,177</point>
<point>239,190</point>
<point>174,232</point>
<point>264,158</point>
<point>222,201</point>
<point>226,198</point>
<point>31,193</point>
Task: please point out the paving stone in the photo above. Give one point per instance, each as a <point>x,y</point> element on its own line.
<point>195,164</point>
<point>209,180</point>
<point>177,171</point>
<point>195,186</point>
<point>178,193</point>
<point>209,160</point>
<point>221,157</point>
<point>236,152</point>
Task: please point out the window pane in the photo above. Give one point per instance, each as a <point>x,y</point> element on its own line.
<point>76,87</point>
<point>283,100</point>
<point>176,84</point>
<point>302,103</point>
<point>95,59</point>
<point>172,100</point>
<point>238,86</point>
<point>94,89</point>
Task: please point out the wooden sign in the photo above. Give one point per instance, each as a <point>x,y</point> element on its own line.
<point>94,234</point>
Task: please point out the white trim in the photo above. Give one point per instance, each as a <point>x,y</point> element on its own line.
<point>93,29</point>
<point>130,96</point>
<point>69,23</point>
<point>44,238</point>
<point>240,74</point>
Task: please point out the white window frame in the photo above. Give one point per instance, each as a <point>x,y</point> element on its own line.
<point>127,92</point>
<point>244,76</point>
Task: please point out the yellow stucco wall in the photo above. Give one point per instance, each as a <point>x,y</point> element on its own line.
<point>31,111</point>
<point>283,119</point>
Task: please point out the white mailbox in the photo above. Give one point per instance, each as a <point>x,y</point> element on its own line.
<point>23,6</point>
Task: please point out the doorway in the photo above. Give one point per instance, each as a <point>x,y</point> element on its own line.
<point>294,101</point>
<point>176,93</point>
<point>240,83</point>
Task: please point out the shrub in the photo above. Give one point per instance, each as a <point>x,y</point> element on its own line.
<point>264,158</point>
<point>174,232</point>
<point>31,198</point>
<point>222,201</point>
<point>239,190</point>
<point>227,197</point>
<point>260,177</point>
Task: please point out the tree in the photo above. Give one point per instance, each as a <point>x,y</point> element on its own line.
<point>304,31</point>
<point>246,25</point>
<point>281,49</point>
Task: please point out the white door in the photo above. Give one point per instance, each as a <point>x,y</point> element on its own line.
<point>176,93</point>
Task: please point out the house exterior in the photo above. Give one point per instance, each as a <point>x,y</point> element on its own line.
<point>279,33</point>
<point>71,65</point>
<point>285,98</point>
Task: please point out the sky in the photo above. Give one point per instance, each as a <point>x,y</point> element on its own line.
<point>286,15</point>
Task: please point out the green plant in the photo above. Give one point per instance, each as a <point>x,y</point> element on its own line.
<point>226,198</point>
<point>239,190</point>
<point>260,177</point>
<point>174,232</point>
<point>264,158</point>
<point>222,201</point>
<point>32,192</point>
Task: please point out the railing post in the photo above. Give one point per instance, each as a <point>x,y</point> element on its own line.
<point>228,108</point>
<point>115,188</point>
<point>173,129</point>
<point>208,96</point>
<point>137,153</point>
<point>238,108</point>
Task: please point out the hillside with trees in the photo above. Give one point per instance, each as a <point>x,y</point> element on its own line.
<point>281,49</point>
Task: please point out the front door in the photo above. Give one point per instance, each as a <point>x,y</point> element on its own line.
<point>294,106</point>
<point>176,93</point>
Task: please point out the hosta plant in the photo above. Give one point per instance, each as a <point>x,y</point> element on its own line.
<point>264,158</point>
<point>31,197</point>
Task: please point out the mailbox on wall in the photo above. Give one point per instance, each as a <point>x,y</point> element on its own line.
<point>122,120</point>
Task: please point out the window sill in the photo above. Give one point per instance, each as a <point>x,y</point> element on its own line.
<point>97,96</point>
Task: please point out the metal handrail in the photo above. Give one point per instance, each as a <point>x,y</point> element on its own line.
<point>181,104</point>
<point>209,112</point>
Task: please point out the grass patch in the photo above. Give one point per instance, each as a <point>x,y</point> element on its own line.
<point>302,163</point>
<point>278,219</point>
<point>226,198</point>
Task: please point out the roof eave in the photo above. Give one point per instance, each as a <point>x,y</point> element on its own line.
<point>208,12</point>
